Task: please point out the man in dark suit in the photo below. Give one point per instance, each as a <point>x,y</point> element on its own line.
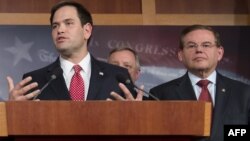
<point>127,58</point>
<point>71,30</point>
<point>200,51</point>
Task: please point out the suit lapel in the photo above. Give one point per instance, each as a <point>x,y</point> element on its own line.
<point>185,90</point>
<point>60,88</point>
<point>58,85</point>
<point>96,79</point>
<point>221,97</point>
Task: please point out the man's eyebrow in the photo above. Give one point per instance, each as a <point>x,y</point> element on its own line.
<point>191,42</point>
<point>206,42</point>
<point>65,20</point>
<point>69,19</point>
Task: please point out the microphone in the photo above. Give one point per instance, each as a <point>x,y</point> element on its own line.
<point>54,75</point>
<point>125,80</point>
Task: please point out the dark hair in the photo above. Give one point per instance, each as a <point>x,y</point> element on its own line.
<point>191,28</point>
<point>137,60</point>
<point>83,14</point>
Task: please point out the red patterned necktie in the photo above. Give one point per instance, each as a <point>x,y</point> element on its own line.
<point>205,95</point>
<point>76,89</point>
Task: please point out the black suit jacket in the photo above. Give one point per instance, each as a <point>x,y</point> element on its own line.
<point>102,81</point>
<point>232,101</point>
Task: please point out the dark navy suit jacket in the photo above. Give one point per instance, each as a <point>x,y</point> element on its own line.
<point>102,81</point>
<point>232,101</point>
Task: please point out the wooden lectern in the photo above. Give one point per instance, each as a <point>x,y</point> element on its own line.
<point>189,119</point>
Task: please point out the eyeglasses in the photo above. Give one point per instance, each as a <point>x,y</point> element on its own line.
<point>205,45</point>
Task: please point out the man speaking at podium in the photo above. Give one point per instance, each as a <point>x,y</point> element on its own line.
<point>75,75</point>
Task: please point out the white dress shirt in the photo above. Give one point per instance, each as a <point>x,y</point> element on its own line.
<point>68,72</point>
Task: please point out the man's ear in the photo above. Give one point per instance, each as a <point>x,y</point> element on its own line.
<point>180,55</point>
<point>220,53</point>
<point>87,29</point>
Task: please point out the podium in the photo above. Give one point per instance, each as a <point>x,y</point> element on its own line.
<point>117,119</point>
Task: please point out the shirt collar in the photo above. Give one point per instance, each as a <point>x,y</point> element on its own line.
<point>67,66</point>
<point>194,79</point>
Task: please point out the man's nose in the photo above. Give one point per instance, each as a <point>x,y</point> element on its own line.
<point>61,29</point>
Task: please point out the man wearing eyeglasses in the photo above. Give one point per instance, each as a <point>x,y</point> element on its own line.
<point>127,58</point>
<point>200,51</point>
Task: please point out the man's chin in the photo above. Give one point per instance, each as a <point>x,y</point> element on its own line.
<point>200,68</point>
<point>63,51</point>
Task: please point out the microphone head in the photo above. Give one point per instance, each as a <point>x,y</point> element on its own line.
<point>123,79</point>
<point>56,72</point>
<point>128,81</point>
<point>53,76</point>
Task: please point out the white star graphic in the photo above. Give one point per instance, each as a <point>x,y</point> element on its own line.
<point>20,51</point>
